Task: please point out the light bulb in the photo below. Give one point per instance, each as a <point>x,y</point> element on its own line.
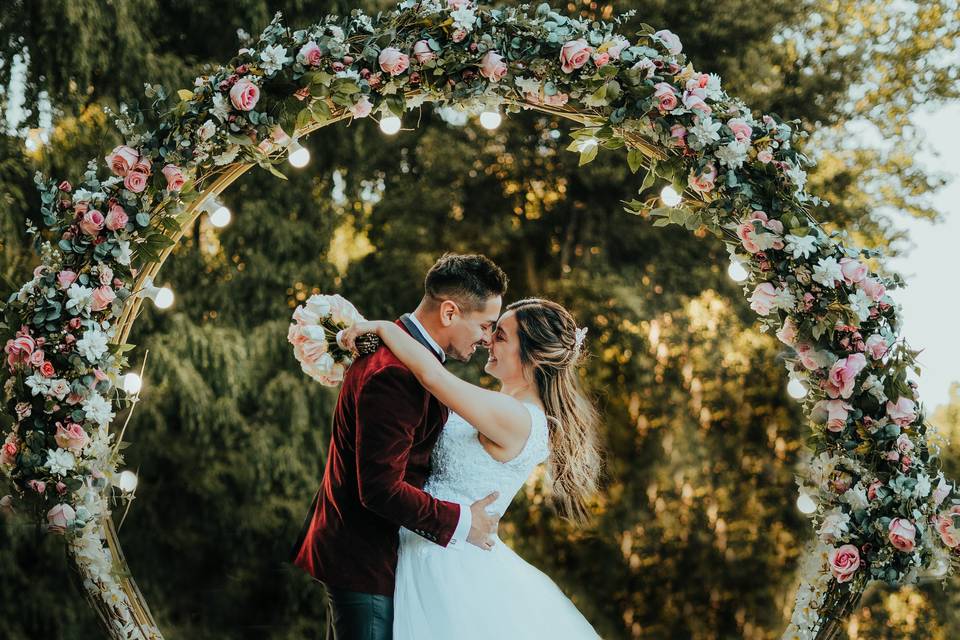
<point>132,383</point>
<point>669,196</point>
<point>737,271</point>
<point>298,155</point>
<point>490,119</point>
<point>796,389</point>
<point>164,298</point>
<point>805,503</point>
<point>390,125</point>
<point>127,481</point>
<point>221,217</point>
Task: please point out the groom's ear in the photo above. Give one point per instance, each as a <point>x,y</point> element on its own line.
<point>448,310</point>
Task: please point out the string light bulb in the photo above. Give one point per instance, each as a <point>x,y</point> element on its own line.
<point>805,503</point>
<point>669,196</point>
<point>490,120</point>
<point>161,296</point>
<point>218,212</point>
<point>736,271</point>
<point>390,124</point>
<point>796,389</point>
<point>132,383</point>
<point>127,482</point>
<point>297,154</point>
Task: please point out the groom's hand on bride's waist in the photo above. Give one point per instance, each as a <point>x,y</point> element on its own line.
<point>484,524</point>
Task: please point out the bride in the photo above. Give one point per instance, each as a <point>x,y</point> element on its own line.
<point>492,441</point>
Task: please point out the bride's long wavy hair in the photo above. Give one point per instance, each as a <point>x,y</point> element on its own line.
<point>550,347</point>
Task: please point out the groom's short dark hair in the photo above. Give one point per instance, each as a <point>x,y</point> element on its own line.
<point>468,280</point>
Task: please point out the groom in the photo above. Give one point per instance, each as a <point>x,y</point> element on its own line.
<point>384,428</point>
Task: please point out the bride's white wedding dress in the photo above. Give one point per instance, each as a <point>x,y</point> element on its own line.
<point>468,593</point>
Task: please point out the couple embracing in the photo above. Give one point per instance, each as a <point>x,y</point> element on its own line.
<point>422,464</point>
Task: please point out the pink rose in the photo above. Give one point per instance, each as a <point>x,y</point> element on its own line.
<point>8,453</point>
<point>47,370</point>
<point>902,534</point>
<point>102,298</point>
<point>295,335</point>
<point>904,444</point>
<point>459,35</point>
<point>747,233</point>
<point>762,300</point>
<point>244,94</point>
<point>393,61</point>
<point>36,358</point>
<point>872,490</point>
<point>65,186</point>
<point>876,346</point>
<point>765,156</point>
<point>309,54</point>
<point>37,485</point>
<point>174,177</point>
<point>135,181</point>
<point>788,333</point>
<point>142,165</point>
<point>696,102</point>
<point>617,45</point>
<point>66,278</point>
<point>678,135</point>
<point>116,218</point>
<point>92,222</point>
<point>19,349</point>
<point>422,52</point>
<point>106,274</point>
<point>362,108</point>
<point>741,130</point>
<point>61,488</point>
<point>844,562</point>
<point>873,288</point>
<point>666,95</point>
<point>843,375</point>
<point>574,54</point>
<point>945,527</point>
<point>60,517</point>
<point>492,66</point>
<point>703,182</point>
<point>853,270</point>
<point>122,159</point>
<point>837,412</point>
<point>903,412</point>
<point>72,437</point>
<point>670,41</point>
<point>601,59</point>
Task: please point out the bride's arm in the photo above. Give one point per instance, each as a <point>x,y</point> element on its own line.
<point>501,418</point>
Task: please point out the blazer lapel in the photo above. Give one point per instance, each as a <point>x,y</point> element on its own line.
<point>419,337</point>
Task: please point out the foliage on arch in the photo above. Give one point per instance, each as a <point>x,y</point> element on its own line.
<point>880,506</point>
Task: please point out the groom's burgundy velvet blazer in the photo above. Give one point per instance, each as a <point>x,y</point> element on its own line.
<point>384,428</point>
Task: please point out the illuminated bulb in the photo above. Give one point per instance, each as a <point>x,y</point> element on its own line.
<point>161,296</point>
<point>490,119</point>
<point>737,271</point>
<point>298,155</point>
<point>221,217</point>
<point>796,389</point>
<point>164,298</point>
<point>805,503</point>
<point>669,196</point>
<point>390,125</point>
<point>132,383</point>
<point>127,481</point>
<point>218,212</point>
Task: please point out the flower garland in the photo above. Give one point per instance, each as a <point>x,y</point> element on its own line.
<point>882,509</point>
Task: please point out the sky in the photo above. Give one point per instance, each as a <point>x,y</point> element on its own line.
<point>931,299</point>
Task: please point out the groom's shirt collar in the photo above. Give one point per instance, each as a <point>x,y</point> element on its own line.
<point>428,337</point>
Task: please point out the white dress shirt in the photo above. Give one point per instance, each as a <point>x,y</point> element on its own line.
<point>466,516</point>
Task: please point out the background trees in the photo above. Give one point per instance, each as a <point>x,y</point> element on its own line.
<point>695,534</point>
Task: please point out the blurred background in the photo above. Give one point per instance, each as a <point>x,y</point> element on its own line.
<point>696,533</point>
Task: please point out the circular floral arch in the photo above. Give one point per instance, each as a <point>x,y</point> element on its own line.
<point>881,508</point>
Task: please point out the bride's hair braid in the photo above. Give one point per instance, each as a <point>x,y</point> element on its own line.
<point>551,345</point>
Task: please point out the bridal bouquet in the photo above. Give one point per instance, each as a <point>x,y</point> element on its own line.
<point>313,335</point>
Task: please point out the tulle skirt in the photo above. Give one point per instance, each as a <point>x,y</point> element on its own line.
<point>471,594</point>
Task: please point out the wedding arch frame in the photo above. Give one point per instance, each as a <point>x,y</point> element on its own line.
<point>739,176</point>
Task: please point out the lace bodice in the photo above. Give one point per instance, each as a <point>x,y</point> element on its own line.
<point>463,471</point>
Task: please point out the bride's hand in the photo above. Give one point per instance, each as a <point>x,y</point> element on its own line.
<point>347,338</point>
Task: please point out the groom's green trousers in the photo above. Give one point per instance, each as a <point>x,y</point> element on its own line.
<point>358,616</point>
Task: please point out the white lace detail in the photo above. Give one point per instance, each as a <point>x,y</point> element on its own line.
<point>463,471</point>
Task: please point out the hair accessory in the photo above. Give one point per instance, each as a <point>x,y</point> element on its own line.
<point>580,336</point>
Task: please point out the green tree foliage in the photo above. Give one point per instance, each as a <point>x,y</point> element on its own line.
<point>695,533</point>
